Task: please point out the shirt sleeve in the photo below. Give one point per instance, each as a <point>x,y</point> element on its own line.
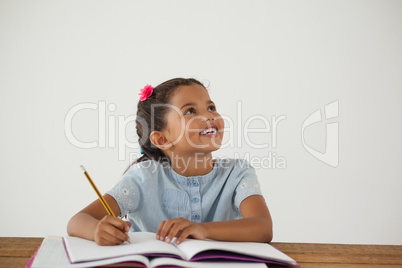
<point>248,184</point>
<point>126,193</point>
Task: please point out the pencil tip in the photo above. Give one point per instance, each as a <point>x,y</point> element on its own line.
<point>82,168</point>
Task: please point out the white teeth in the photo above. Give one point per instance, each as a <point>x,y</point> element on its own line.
<point>208,131</point>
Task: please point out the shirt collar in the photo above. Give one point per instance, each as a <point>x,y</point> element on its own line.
<point>193,180</point>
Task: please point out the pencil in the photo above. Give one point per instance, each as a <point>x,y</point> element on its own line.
<point>103,201</point>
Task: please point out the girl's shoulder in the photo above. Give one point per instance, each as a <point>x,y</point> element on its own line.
<point>233,166</point>
<point>233,171</point>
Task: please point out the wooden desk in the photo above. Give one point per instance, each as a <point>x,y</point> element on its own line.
<point>16,251</point>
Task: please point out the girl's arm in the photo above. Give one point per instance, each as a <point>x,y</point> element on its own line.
<point>255,226</point>
<point>93,223</point>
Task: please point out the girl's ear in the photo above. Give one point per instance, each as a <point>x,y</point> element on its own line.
<point>159,140</point>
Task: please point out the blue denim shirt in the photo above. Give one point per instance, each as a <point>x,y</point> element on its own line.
<point>151,192</point>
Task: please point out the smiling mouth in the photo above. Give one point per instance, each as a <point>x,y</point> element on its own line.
<point>209,131</point>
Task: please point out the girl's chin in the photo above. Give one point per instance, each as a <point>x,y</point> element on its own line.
<point>213,147</point>
<point>207,149</point>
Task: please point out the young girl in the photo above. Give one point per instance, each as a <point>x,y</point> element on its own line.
<point>175,188</point>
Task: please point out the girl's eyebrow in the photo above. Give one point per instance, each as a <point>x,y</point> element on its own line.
<point>192,103</point>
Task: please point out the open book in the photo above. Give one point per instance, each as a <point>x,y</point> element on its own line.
<point>146,251</point>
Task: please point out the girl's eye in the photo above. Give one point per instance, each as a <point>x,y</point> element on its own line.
<point>191,110</point>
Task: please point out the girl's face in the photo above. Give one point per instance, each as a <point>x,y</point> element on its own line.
<point>193,124</point>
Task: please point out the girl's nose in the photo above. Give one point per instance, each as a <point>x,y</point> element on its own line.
<point>209,116</point>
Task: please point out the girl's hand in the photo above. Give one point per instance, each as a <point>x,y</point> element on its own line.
<point>180,228</point>
<point>112,231</point>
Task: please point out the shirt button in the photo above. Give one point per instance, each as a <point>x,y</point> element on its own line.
<point>195,200</point>
<point>196,217</point>
<point>195,184</point>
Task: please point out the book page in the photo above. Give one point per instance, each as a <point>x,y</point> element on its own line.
<point>205,264</point>
<point>191,247</point>
<point>52,254</point>
<point>143,243</point>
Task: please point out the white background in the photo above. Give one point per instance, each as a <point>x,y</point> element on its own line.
<point>270,58</point>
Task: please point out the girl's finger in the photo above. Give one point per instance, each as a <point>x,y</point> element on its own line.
<point>158,233</point>
<point>166,228</point>
<point>108,239</point>
<point>118,223</point>
<point>119,234</point>
<point>177,229</point>
<point>184,234</point>
<point>127,226</point>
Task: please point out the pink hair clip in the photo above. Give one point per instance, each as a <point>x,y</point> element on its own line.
<point>146,92</point>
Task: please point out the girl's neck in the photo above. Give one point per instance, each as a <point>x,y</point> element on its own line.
<point>195,165</point>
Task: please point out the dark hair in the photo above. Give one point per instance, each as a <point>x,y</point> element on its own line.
<point>152,117</point>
